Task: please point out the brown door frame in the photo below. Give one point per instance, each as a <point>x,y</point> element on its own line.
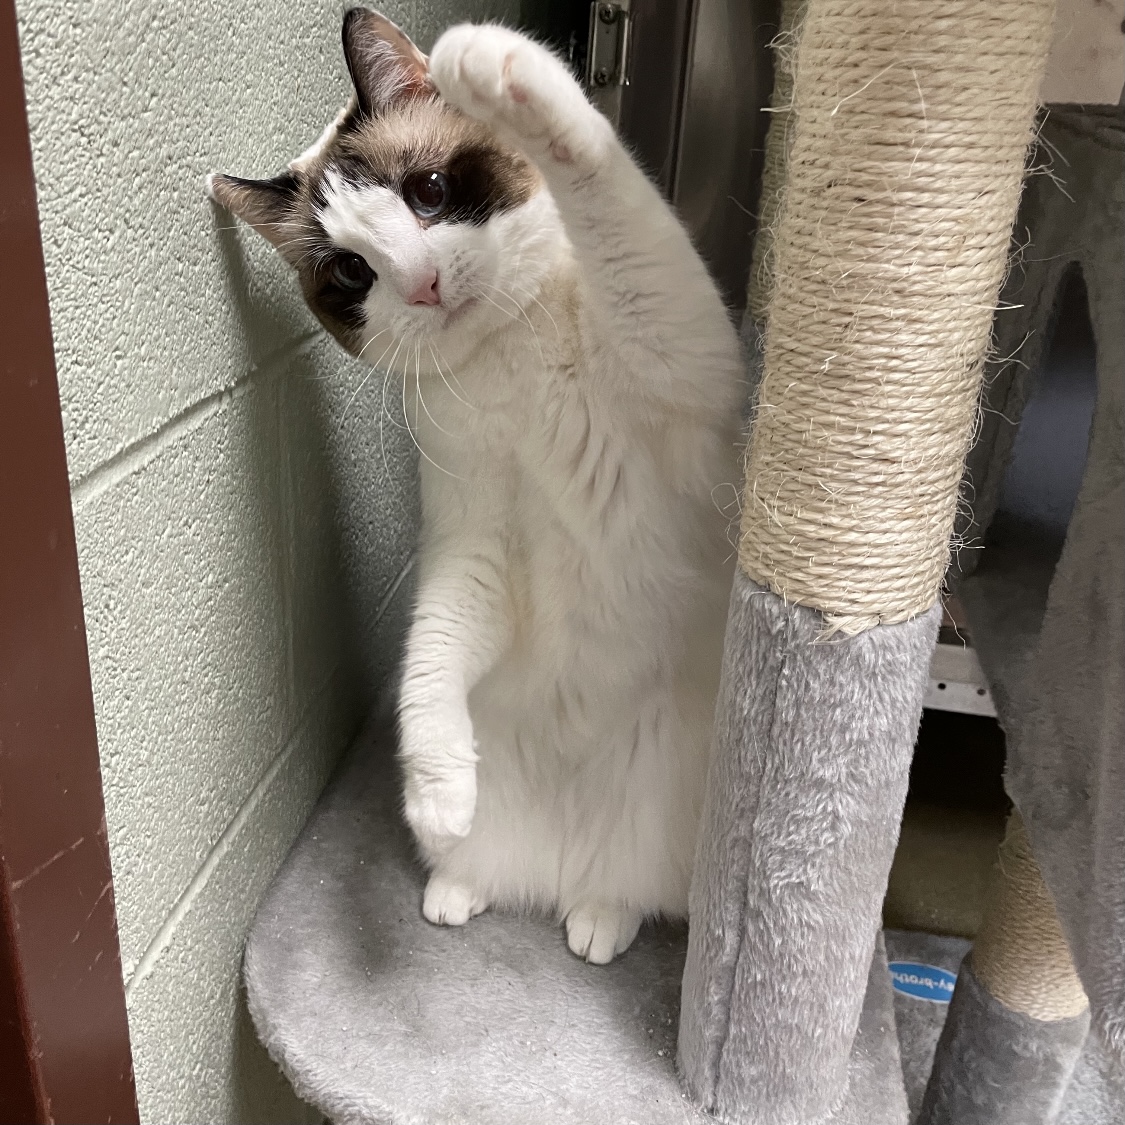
<point>64,1037</point>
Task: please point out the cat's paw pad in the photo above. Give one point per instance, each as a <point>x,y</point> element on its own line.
<point>448,903</point>
<point>440,810</point>
<point>598,932</point>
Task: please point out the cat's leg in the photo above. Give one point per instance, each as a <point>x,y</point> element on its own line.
<point>627,239</point>
<point>459,628</point>
<point>633,814</point>
<point>510,857</point>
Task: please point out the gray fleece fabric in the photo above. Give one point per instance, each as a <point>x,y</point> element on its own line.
<point>378,1017</point>
<point>1064,704</point>
<point>813,743</point>
<point>994,1066</point>
<point>1096,1093</point>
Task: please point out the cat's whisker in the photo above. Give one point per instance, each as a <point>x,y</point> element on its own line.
<point>363,381</point>
<point>448,386</point>
<point>495,305</point>
<point>359,354</point>
<point>525,317</point>
<point>413,438</point>
<point>530,295</point>
<point>418,391</point>
<point>520,310</point>
<point>383,446</point>
<point>453,375</point>
<point>355,395</point>
<point>386,409</point>
<point>384,413</point>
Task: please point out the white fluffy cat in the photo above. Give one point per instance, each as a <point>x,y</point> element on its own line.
<point>473,225</point>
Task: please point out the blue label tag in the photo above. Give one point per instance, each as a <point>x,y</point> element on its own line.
<point>923,982</point>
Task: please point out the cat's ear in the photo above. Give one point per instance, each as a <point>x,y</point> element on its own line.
<point>264,204</point>
<point>386,68</point>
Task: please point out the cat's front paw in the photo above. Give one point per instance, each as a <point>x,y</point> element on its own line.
<point>440,809</point>
<point>504,79</point>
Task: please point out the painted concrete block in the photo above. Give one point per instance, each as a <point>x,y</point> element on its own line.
<point>185,611</point>
<point>195,1055</point>
<point>321,625</point>
<point>130,105</point>
<point>432,17</point>
<point>373,462</point>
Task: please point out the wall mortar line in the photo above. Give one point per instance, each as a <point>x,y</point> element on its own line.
<point>135,456</point>
<point>164,936</point>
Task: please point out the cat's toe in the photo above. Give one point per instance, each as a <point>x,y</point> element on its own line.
<point>598,932</point>
<point>501,77</point>
<point>446,903</point>
<point>467,66</point>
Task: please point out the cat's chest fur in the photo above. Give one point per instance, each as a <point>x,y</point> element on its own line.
<point>590,496</point>
<point>536,430</point>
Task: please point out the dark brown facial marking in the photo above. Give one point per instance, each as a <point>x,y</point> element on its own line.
<point>487,179</point>
<point>404,149</point>
<point>335,287</point>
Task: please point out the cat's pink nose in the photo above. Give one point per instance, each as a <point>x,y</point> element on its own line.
<point>426,292</point>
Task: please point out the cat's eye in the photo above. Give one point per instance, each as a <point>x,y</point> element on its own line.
<point>427,194</point>
<point>351,272</point>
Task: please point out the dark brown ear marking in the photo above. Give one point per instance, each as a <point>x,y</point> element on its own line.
<point>264,204</point>
<point>386,68</point>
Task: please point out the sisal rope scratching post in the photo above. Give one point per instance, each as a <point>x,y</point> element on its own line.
<point>1019,1015</point>
<point>903,180</point>
<point>1020,955</point>
<point>907,138</point>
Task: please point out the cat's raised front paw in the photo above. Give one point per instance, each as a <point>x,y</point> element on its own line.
<point>448,903</point>
<point>440,810</point>
<point>598,932</point>
<point>513,84</point>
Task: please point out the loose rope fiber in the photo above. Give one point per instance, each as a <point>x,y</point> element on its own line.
<point>909,130</point>
<point>1020,955</point>
<point>773,164</point>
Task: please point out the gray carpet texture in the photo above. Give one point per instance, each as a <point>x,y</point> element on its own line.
<point>377,1017</point>
<point>1096,1092</point>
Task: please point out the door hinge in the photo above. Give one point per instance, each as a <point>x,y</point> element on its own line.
<point>607,55</point>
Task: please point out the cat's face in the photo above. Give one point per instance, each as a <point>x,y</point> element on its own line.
<point>406,221</point>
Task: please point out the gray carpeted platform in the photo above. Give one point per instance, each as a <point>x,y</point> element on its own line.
<point>378,1017</point>
<point>1096,1095</point>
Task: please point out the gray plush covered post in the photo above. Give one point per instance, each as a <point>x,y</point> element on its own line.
<point>995,1066</point>
<point>1019,1017</point>
<point>906,139</point>
<point>1062,691</point>
<point>812,753</point>
<point>1063,698</point>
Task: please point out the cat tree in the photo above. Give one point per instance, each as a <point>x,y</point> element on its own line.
<point>903,155</point>
<point>896,161</point>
